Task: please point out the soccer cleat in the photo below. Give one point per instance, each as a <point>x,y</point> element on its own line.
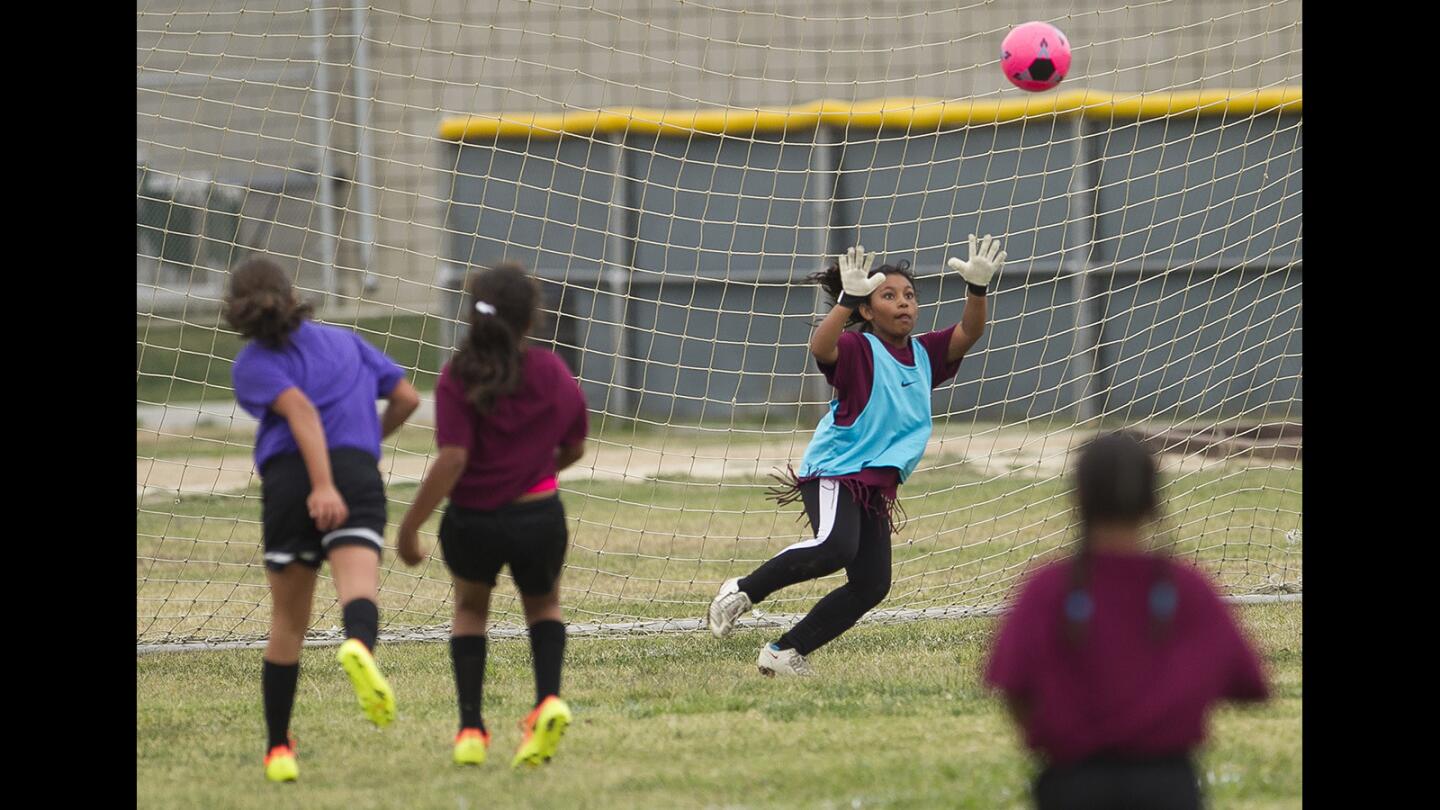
<point>280,764</point>
<point>775,661</point>
<point>727,607</point>
<point>542,730</point>
<point>376,699</point>
<point>471,745</point>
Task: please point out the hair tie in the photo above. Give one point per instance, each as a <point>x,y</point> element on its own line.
<point>1078,606</point>
<point>1163,599</point>
<point>484,308</point>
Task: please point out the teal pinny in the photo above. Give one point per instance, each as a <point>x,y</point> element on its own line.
<point>890,432</point>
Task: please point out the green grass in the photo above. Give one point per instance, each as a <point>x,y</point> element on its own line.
<point>190,362</point>
<point>209,439</point>
<point>897,719</point>
<point>652,549</point>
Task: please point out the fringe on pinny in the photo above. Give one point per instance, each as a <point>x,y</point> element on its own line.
<point>875,501</point>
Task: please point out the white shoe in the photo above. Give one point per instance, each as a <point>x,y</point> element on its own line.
<point>774,661</point>
<point>727,607</point>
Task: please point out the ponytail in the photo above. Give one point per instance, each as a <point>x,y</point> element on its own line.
<point>505,301</point>
<point>1116,481</point>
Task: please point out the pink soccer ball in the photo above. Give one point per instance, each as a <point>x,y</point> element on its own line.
<point>1035,56</point>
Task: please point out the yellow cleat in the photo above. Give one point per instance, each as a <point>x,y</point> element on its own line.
<point>376,699</point>
<point>543,729</point>
<point>280,764</point>
<point>470,746</point>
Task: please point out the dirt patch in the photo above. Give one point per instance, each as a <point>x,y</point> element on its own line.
<point>1019,451</point>
<point>1279,441</point>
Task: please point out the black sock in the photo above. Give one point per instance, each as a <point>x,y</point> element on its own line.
<point>467,654</point>
<point>547,647</point>
<point>747,591</point>
<point>835,613</point>
<point>784,642</point>
<point>277,685</point>
<point>362,621</point>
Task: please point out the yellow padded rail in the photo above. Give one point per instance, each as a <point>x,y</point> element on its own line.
<point>908,114</point>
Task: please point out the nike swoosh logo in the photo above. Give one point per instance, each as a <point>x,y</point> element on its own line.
<point>906,384</point>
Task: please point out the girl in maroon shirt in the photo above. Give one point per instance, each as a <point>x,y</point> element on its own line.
<point>508,417</point>
<point>1111,660</point>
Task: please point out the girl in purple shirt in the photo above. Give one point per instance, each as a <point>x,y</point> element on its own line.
<point>864,447</point>
<point>508,416</point>
<point>1111,660</point>
<point>313,388</point>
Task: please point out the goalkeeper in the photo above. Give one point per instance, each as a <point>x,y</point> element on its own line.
<point>864,447</point>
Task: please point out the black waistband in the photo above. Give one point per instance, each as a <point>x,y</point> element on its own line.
<point>336,454</point>
<point>1113,759</point>
<point>512,508</point>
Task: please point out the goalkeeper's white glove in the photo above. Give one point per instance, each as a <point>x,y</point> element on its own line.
<point>985,262</point>
<point>855,276</point>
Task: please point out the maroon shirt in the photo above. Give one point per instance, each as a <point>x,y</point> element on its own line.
<point>512,448</point>
<point>1118,691</point>
<point>853,375</point>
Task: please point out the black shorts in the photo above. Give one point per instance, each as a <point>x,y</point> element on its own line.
<point>530,537</point>
<point>290,533</point>
<point>1161,783</point>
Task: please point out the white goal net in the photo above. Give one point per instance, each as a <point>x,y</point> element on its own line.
<point>672,171</point>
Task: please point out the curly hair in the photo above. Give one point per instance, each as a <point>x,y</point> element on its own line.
<point>261,303</point>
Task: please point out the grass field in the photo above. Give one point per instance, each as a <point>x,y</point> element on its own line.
<point>897,719</point>
<point>657,549</point>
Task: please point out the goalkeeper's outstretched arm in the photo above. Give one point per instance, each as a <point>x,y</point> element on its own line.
<point>850,283</point>
<point>986,259</point>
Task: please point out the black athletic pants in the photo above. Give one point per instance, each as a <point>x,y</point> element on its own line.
<point>1103,783</point>
<point>846,536</point>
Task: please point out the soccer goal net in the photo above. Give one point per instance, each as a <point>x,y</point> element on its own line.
<point>671,171</point>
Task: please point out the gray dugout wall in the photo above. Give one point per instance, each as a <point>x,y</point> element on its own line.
<point>1154,266</point>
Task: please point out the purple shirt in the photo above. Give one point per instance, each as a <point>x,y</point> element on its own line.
<point>1118,691</point>
<point>853,375</point>
<point>511,448</point>
<point>338,371</point>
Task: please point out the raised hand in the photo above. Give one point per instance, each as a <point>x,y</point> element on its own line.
<point>985,261</point>
<point>855,276</point>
